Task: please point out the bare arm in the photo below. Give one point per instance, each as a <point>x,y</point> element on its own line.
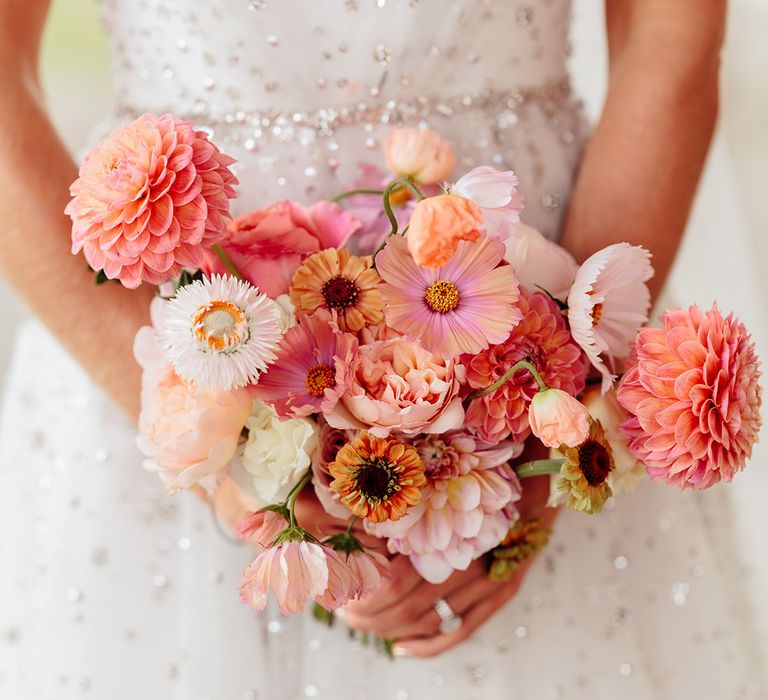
<point>96,324</point>
<point>640,171</point>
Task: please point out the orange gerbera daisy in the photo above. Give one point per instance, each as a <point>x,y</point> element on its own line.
<point>378,479</point>
<point>336,280</point>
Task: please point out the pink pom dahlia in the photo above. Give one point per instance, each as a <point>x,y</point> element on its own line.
<point>692,389</point>
<point>543,337</point>
<point>148,198</point>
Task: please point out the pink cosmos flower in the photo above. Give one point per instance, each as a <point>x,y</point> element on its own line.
<point>268,245</point>
<point>541,335</point>
<point>462,307</point>
<point>557,418</point>
<point>187,432</point>
<point>466,508</point>
<point>399,387</point>
<point>298,572</point>
<point>692,389</point>
<point>329,441</point>
<point>371,568</point>
<point>495,193</point>
<point>261,526</point>
<point>540,264</point>
<point>148,199</point>
<point>312,370</point>
<point>419,154</point>
<point>608,302</point>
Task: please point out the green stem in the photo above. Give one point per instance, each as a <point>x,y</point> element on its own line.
<point>538,467</point>
<point>352,524</point>
<point>352,193</point>
<point>294,494</point>
<point>224,257</point>
<point>522,364</point>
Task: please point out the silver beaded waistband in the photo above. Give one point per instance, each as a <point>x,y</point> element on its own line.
<point>305,126</point>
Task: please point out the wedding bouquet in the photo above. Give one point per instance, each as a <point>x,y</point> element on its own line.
<point>395,348</point>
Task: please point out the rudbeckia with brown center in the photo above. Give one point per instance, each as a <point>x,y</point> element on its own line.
<point>584,474</point>
<point>378,479</point>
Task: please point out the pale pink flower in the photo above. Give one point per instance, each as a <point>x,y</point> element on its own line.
<point>462,307</point>
<point>312,370</point>
<point>495,193</point>
<point>344,582</point>
<point>466,508</point>
<point>693,394</point>
<point>187,432</point>
<point>261,526</point>
<point>608,302</point>
<point>557,418</point>
<point>540,264</point>
<point>371,568</point>
<point>399,387</point>
<point>329,441</point>
<point>419,154</point>
<point>148,199</point>
<point>541,335</point>
<point>268,245</point>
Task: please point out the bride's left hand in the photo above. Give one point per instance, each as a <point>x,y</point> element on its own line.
<point>404,608</point>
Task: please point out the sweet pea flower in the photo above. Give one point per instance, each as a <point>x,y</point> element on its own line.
<point>557,418</point>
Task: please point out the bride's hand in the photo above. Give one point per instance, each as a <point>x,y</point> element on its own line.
<point>404,608</point>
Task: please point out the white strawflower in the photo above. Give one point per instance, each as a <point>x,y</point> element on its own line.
<point>220,332</point>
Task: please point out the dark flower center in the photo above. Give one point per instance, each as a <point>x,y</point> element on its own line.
<point>594,462</point>
<point>319,378</point>
<point>376,479</point>
<point>340,293</point>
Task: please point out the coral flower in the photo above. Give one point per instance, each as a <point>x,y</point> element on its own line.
<point>495,193</point>
<point>268,245</point>
<point>313,368</point>
<point>148,199</point>
<point>541,335</point>
<point>692,389</point>
<point>378,479</point>
<point>462,307</point>
<point>608,302</point>
<point>466,509</point>
<point>298,572</point>
<point>557,418</point>
<point>399,387</point>
<point>336,280</point>
<point>419,154</point>
<point>540,263</point>
<point>584,474</point>
<point>437,226</point>
<point>261,526</point>
<point>220,332</point>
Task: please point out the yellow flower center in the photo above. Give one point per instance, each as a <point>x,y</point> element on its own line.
<point>442,296</point>
<point>594,461</point>
<point>319,378</point>
<point>220,326</point>
<point>597,314</point>
<point>340,293</point>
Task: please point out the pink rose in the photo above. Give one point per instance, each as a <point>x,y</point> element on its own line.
<point>398,387</point>
<point>268,245</point>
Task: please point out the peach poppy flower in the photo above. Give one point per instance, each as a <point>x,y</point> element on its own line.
<point>419,154</point>
<point>557,418</point>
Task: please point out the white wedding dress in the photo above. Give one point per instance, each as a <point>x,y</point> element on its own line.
<point>111,589</point>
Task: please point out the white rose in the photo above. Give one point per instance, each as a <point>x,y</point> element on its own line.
<point>277,453</point>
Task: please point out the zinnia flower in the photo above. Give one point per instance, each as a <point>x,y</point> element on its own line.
<point>467,505</point>
<point>268,245</point>
<point>543,337</point>
<point>692,389</point>
<point>261,526</point>
<point>557,418</point>
<point>378,479</point>
<point>188,432</point>
<point>148,199</point>
<point>336,280</point>
<point>399,387</point>
<point>437,226</point>
<point>312,370</point>
<point>220,332</point>
<point>277,453</point>
<point>419,154</point>
<point>540,264</point>
<point>608,302</point>
<point>297,572</point>
<point>462,307</point>
<point>584,474</point>
<point>495,193</point>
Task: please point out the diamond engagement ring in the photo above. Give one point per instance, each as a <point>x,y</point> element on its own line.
<point>449,620</point>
